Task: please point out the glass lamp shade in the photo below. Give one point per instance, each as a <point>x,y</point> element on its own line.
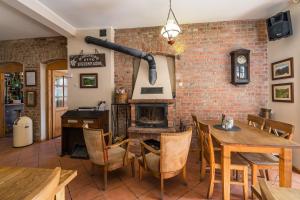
<point>170,31</point>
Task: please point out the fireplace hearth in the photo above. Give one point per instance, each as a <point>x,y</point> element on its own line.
<point>152,115</point>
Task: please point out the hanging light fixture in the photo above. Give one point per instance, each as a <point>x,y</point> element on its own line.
<point>171,29</point>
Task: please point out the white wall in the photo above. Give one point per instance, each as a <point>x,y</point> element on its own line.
<point>278,50</point>
<point>43,101</point>
<point>90,97</point>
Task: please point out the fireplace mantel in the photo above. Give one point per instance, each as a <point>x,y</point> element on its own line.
<point>137,101</point>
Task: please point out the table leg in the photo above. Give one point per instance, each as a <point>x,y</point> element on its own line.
<point>226,160</point>
<point>285,168</point>
<point>60,195</point>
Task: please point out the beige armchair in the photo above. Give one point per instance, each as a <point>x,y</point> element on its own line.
<point>170,160</point>
<point>109,157</point>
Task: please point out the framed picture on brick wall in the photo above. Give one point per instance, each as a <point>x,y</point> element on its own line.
<point>30,78</point>
<point>30,99</point>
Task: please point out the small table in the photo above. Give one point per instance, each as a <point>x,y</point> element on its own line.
<point>253,140</point>
<point>17,182</point>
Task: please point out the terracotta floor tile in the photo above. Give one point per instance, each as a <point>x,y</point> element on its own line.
<point>120,193</point>
<point>121,185</point>
<point>87,192</point>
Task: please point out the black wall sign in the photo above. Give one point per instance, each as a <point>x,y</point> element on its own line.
<point>87,60</point>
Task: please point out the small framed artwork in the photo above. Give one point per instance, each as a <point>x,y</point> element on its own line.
<point>283,69</point>
<point>30,78</point>
<point>89,80</point>
<point>283,92</point>
<point>30,98</point>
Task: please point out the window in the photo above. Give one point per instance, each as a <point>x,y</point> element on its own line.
<point>60,91</point>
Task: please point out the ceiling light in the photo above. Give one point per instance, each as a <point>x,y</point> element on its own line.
<point>171,29</point>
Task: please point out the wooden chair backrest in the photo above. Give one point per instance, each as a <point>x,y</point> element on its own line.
<point>256,121</point>
<point>95,144</point>
<point>207,145</point>
<point>46,190</point>
<point>195,123</point>
<point>265,190</point>
<point>280,128</point>
<point>174,150</point>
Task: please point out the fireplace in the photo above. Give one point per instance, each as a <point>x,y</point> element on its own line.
<point>152,115</point>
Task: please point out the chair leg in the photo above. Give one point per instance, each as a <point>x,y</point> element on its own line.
<point>184,175</point>
<point>161,188</point>
<point>236,175</point>
<point>254,177</point>
<point>140,172</point>
<point>267,175</point>
<point>105,177</point>
<point>211,182</point>
<point>245,184</point>
<point>203,168</point>
<point>254,174</point>
<point>132,168</point>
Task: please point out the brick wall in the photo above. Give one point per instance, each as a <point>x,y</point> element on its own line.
<point>31,53</point>
<point>203,67</point>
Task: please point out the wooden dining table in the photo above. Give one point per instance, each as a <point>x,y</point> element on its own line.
<point>17,182</point>
<point>252,140</point>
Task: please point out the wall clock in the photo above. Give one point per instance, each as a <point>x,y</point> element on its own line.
<point>240,66</point>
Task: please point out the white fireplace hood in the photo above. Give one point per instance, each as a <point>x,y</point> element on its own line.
<point>162,87</point>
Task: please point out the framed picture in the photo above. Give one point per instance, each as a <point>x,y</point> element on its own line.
<point>30,98</point>
<point>283,92</point>
<point>283,69</point>
<point>30,78</point>
<point>89,80</point>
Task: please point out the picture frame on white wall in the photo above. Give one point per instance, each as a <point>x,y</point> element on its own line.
<point>283,69</point>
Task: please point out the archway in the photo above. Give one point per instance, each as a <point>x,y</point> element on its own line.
<point>9,67</point>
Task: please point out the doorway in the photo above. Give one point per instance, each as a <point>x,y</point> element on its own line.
<point>57,96</point>
<point>11,95</point>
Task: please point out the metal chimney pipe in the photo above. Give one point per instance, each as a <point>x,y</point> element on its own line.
<point>129,51</point>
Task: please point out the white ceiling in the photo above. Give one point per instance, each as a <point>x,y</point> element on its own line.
<point>143,13</point>
<point>15,25</point>
<point>80,14</point>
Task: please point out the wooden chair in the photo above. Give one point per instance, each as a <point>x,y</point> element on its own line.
<point>109,157</point>
<point>265,191</point>
<point>213,158</point>
<point>263,162</point>
<point>170,160</point>
<point>256,121</point>
<point>197,130</point>
<point>46,190</point>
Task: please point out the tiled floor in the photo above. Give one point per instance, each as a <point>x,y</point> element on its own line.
<point>120,183</point>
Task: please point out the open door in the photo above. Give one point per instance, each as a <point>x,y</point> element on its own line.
<point>56,96</point>
<point>59,98</point>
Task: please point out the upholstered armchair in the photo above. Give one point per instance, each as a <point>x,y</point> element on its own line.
<point>170,160</point>
<point>104,154</point>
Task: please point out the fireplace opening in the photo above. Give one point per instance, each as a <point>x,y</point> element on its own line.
<point>152,115</point>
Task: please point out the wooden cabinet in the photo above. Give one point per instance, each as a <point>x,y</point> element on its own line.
<point>72,122</point>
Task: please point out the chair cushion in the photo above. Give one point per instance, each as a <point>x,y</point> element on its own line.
<point>152,161</point>
<point>115,157</point>
<point>260,158</point>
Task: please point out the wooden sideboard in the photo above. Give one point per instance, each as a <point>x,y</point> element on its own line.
<point>72,122</point>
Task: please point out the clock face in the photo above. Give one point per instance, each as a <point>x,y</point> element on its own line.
<point>241,59</point>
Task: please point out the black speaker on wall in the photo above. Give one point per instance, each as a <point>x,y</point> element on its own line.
<point>279,26</point>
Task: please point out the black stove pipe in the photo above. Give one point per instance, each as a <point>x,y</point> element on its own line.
<point>129,51</point>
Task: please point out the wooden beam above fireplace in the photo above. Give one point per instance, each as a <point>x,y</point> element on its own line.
<point>137,101</point>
